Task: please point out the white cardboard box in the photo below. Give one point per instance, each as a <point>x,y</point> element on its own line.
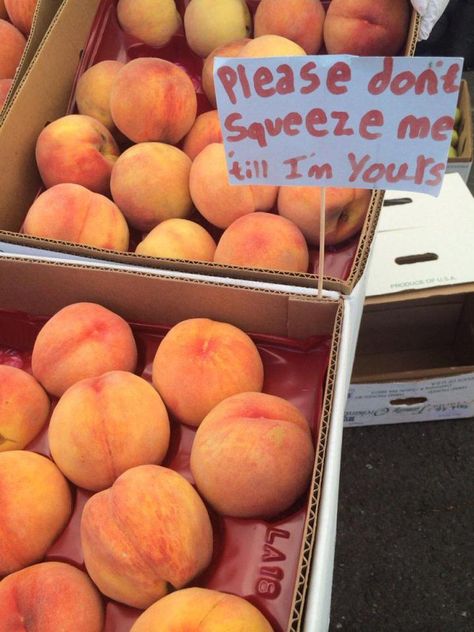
<point>415,354</point>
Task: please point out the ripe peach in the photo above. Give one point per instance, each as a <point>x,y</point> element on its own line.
<point>271,46</point>
<point>153,100</point>
<point>24,408</point>
<point>76,148</point>
<point>207,78</point>
<point>148,531</point>
<point>252,456</point>
<point>362,27</point>
<point>5,85</point>
<point>301,21</point>
<point>81,340</point>
<point>200,362</point>
<point>346,210</point>
<point>21,13</point>
<point>50,596</point>
<point>206,130</point>
<point>12,45</point>
<point>70,212</point>
<point>93,91</point>
<point>204,610</point>
<point>263,240</point>
<point>209,24</point>
<point>153,22</point>
<point>178,239</point>
<point>105,425</point>
<point>150,183</point>
<point>36,505</point>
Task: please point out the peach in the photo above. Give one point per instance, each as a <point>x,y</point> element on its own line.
<point>200,362</point>
<point>153,100</point>
<point>232,49</point>
<point>81,340</point>
<point>24,408</point>
<point>150,183</point>
<point>147,532</point>
<point>271,46</point>
<point>76,148</point>
<point>206,130</point>
<point>93,91</point>
<point>21,13</point>
<point>263,240</point>
<point>50,596</point>
<point>363,27</point>
<point>209,24</point>
<point>301,21</point>
<point>70,212</point>
<point>105,425</point>
<point>5,85</point>
<point>203,610</point>
<point>153,22</point>
<point>346,210</point>
<point>252,456</point>
<point>36,505</point>
<point>12,45</point>
<point>178,239</point>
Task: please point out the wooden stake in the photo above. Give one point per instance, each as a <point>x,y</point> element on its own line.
<point>322,239</point>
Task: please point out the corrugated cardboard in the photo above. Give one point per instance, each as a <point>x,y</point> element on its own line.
<point>462,163</point>
<point>52,76</point>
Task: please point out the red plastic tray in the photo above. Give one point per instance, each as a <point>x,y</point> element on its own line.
<point>256,559</point>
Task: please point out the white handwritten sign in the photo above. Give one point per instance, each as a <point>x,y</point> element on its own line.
<point>367,122</point>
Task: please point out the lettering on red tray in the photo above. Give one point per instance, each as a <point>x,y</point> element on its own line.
<point>268,583</point>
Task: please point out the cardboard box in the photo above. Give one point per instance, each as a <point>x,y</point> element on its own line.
<point>44,13</point>
<point>462,163</point>
<point>53,74</point>
<point>40,288</point>
<point>415,353</point>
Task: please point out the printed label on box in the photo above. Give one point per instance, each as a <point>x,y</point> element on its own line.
<point>450,397</point>
<point>332,120</point>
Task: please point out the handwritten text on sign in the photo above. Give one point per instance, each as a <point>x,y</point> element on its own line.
<point>368,122</point>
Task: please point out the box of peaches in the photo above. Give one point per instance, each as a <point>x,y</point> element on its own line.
<point>122,157</point>
<point>160,461</point>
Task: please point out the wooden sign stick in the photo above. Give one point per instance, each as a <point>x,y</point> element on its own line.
<point>322,235</point>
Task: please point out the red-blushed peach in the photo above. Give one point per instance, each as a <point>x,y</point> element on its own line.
<point>362,27</point>
<point>36,506</point>
<point>263,240</point>
<point>21,13</point>
<point>201,610</point>
<point>271,46</point>
<point>93,91</point>
<point>79,149</point>
<point>153,22</point>
<point>150,183</point>
<point>209,24</point>
<point>206,130</point>
<point>252,456</point>
<point>301,21</point>
<point>24,408</point>
<point>153,100</point>
<point>346,210</point>
<point>5,85</point>
<point>12,45</point>
<point>70,212</point>
<point>207,77</point>
<point>178,239</point>
<point>81,340</point>
<point>104,425</point>
<point>50,597</point>
<point>147,532</point>
<point>200,362</point>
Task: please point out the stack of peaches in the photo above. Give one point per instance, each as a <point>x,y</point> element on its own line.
<point>139,159</point>
<point>145,530</point>
<point>16,17</point>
